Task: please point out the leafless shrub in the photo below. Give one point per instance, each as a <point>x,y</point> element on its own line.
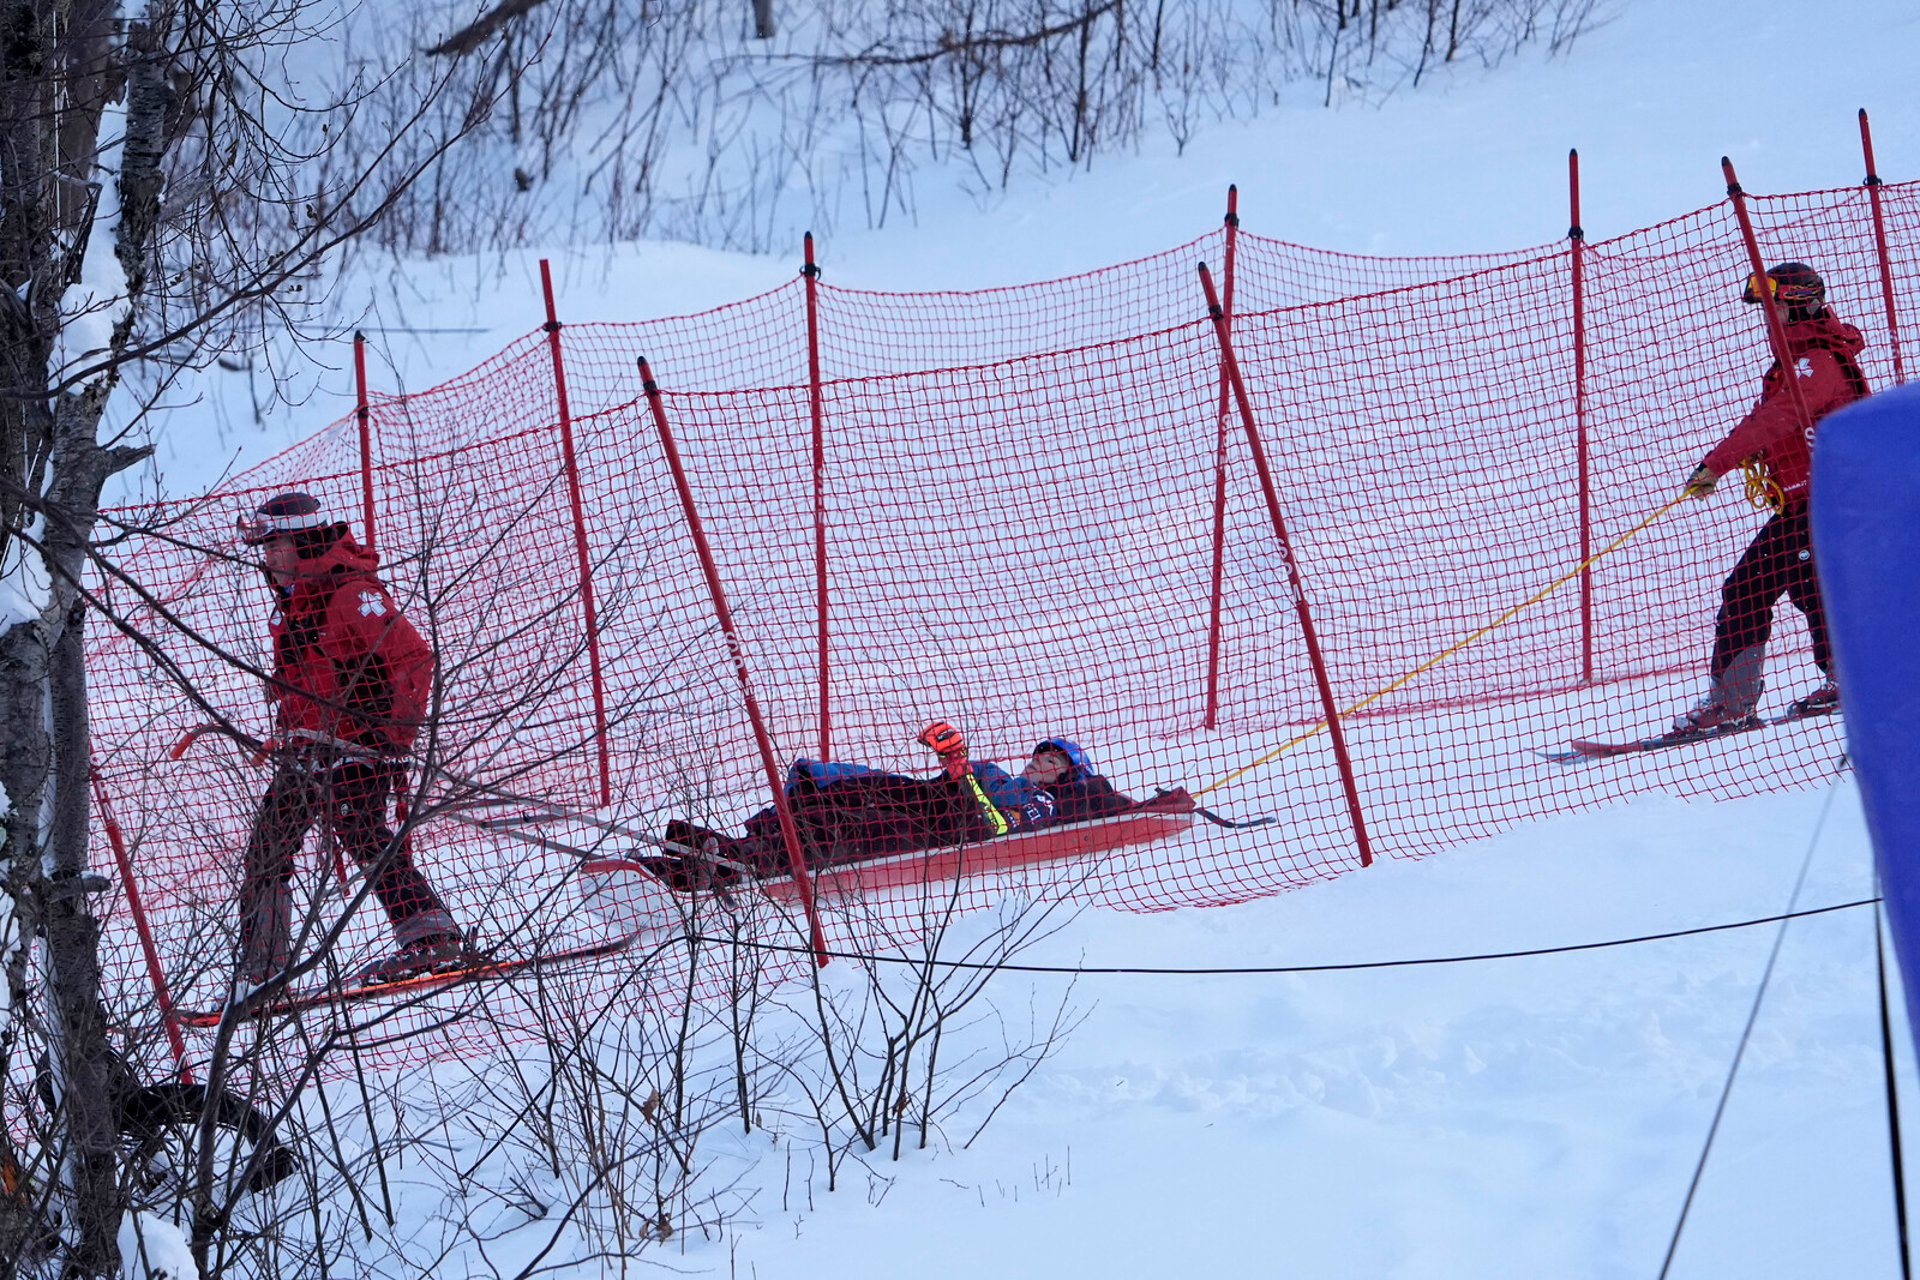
<point>684,119</point>
<point>901,1043</point>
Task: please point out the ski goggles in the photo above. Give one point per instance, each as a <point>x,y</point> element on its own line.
<point>290,513</point>
<point>1765,286</point>
<point>255,529</point>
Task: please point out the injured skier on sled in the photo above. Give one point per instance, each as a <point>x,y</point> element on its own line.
<point>846,813</point>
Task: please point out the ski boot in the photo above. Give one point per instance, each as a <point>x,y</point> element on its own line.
<point>435,953</point>
<point>1823,701</point>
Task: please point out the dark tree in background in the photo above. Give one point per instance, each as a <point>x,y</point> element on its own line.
<point>738,126</point>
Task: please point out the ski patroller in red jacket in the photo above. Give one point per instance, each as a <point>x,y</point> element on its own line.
<point>1821,358</point>
<point>346,664</point>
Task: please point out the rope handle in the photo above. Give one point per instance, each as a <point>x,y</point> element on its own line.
<point>1763,492</point>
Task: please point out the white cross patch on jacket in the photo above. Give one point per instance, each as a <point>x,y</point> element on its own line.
<point>1803,367</point>
<point>372,605</point>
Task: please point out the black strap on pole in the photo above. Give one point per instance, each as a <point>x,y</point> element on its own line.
<point>1893,1103</point>
<point>1746,1034</point>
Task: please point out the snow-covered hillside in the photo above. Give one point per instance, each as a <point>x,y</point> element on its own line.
<point>1535,1116</point>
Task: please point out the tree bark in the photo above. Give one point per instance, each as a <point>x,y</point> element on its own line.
<point>57,74</point>
<point>44,766</point>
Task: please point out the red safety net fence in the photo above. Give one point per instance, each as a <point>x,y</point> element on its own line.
<point>1029,511</point>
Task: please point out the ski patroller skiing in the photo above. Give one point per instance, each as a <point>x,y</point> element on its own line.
<point>848,813</point>
<point>1774,448</point>
<point>350,687</point>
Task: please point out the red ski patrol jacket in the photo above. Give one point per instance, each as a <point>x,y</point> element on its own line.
<point>346,664</point>
<point>1821,357</point>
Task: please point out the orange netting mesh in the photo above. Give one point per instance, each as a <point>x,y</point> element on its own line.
<point>1018,497</point>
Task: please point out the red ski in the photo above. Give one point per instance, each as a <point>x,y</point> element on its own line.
<point>478,970</point>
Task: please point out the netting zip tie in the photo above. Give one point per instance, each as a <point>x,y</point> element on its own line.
<point>1450,650</point>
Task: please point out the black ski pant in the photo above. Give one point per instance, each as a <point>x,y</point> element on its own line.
<point>869,816</point>
<point>352,796</point>
<point>1778,562</point>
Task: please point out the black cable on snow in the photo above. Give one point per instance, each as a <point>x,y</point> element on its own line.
<point>1746,1033</point>
<point>1893,1103</point>
<point>1148,971</point>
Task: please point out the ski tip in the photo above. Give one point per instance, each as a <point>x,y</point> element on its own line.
<point>1562,755</point>
<point>1790,716</point>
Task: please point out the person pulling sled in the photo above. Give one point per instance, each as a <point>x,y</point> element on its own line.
<point>350,686</point>
<point>1776,450</point>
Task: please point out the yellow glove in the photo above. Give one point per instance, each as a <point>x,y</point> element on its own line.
<point>1699,484</point>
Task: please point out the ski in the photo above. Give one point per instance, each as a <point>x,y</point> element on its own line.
<point>1594,749</point>
<point>475,971</point>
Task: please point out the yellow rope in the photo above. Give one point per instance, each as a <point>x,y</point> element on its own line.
<point>1763,491</point>
<point>1448,652</point>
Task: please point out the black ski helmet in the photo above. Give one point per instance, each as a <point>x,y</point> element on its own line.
<point>1794,283</point>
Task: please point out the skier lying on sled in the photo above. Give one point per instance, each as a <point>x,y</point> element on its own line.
<point>849,812</point>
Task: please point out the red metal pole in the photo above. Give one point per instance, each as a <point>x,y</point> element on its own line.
<point>1776,331</point>
<point>796,857</point>
<point>1576,251</point>
<point>1272,494</point>
<point>1880,244</point>
<point>364,417</point>
<point>161,996</point>
<point>811,272</point>
<point>1212,715</point>
<point>585,562</point>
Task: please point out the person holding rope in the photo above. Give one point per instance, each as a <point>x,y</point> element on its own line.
<point>350,687</point>
<point>1775,448</point>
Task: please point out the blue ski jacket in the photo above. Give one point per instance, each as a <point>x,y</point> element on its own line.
<point>1083,794</point>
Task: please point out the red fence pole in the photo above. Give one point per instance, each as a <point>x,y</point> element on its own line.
<point>585,562</point>
<point>161,996</point>
<point>796,857</point>
<point>1220,482</point>
<point>364,418</point>
<point>811,272</point>
<point>1576,254</point>
<point>1272,494</point>
<point>1880,243</point>
<point>1776,331</point>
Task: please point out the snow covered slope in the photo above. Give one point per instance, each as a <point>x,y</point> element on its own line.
<point>1473,162</point>
<point>1524,1117</point>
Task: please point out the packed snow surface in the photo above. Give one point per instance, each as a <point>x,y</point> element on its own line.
<point>1528,1116</point>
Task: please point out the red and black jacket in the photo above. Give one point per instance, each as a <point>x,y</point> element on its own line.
<point>346,664</point>
<point>1822,356</point>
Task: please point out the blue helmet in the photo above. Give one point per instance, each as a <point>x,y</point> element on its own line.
<point>1082,763</point>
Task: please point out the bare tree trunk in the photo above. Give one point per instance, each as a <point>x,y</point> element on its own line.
<point>56,77</point>
<point>78,1027</point>
<point>44,769</point>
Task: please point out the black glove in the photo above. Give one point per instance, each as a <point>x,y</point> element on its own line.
<point>1036,810</point>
